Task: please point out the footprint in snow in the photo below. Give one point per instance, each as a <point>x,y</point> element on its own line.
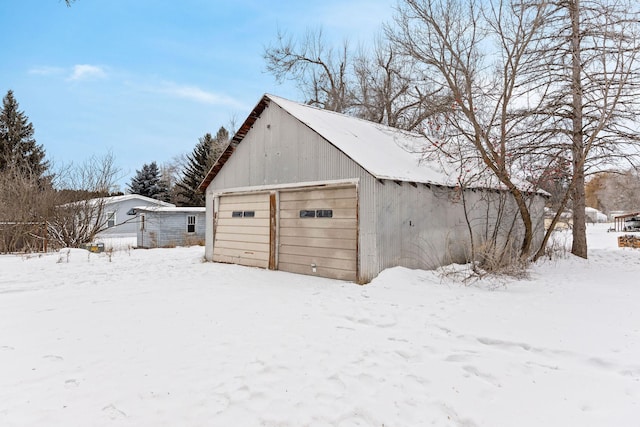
<point>53,358</point>
<point>113,412</point>
<point>72,383</point>
<point>481,375</point>
<point>458,358</point>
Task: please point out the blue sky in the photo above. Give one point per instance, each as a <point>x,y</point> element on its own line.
<point>145,79</point>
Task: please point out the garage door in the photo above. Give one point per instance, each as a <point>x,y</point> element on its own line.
<point>319,232</point>
<point>242,234</point>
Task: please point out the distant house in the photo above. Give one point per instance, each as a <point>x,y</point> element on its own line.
<point>159,226</point>
<point>310,191</point>
<point>115,208</point>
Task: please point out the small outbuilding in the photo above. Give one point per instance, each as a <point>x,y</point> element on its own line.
<point>311,191</point>
<point>163,227</point>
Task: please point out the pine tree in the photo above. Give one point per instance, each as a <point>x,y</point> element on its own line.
<point>148,182</point>
<point>204,155</point>
<point>18,148</point>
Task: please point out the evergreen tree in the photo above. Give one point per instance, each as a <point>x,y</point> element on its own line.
<point>18,148</point>
<point>204,155</point>
<point>148,182</point>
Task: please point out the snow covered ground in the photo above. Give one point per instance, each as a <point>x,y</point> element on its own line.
<point>159,338</point>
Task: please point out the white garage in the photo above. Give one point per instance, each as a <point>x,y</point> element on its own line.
<point>311,191</point>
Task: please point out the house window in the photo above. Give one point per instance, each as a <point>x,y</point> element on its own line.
<point>191,224</point>
<point>317,213</point>
<point>111,219</point>
<point>245,214</point>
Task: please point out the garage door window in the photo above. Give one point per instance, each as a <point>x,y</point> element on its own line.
<point>317,213</point>
<point>324,213</point>
<point>243,214</point>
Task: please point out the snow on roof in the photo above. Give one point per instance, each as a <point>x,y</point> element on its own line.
<point>116,199</point>
<point>175,209</point>
<point>383,151</point>
<point>125,197</point>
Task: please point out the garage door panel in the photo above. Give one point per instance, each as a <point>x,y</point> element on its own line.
<point>346,254</point>
<point>257,207</point>
<point>318,242</point>
<point>332,263</point>
<point>243,240</point>
<point>244,222</point>
<point>331,273</point>
<point>244,198</point>
<point>337,213</point>
<point>328,243</point>
<point>241,256</point>
<point>247,246</point>
<point>249,262</point>
<point>325,233</point>
<point>242,235</point>
<point>319,223</point>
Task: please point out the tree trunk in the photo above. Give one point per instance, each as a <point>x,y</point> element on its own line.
<point>579,245</point>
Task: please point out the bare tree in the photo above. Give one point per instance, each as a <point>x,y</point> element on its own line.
<point>376,84</point>
<point>589,63</point>
<point>322,72</point>
<point>389,90</point>
<point>24,204</point>
<point>535,84</point>
<point>449,38</point>
<point>77,213</point>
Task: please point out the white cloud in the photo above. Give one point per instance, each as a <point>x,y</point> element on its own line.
<point>86,71</point>
<point>197,94</point>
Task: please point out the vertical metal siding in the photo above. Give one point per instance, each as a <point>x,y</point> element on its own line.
<point>422,227</point>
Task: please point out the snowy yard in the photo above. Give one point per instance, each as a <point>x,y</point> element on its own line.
<point>159,338</point>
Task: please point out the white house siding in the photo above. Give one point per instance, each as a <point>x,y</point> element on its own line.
<point>168,229</point>
<point>126,225</point>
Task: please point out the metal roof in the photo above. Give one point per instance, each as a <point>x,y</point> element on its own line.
<point>386,153</point>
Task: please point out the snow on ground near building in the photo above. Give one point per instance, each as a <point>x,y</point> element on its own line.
<point>159,338</point>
